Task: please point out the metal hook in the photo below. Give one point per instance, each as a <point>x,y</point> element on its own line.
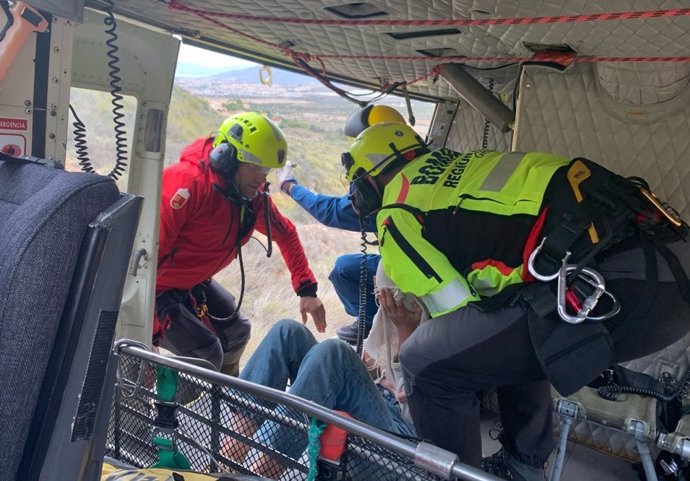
<point>532,258</point>
<point>596,280</point>
<point>127,388</point>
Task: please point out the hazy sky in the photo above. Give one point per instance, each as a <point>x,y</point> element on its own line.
<point>206,58</point>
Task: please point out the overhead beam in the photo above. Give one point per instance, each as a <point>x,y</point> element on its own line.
<point>479,97</point>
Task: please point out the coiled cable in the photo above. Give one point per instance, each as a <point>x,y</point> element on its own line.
<point>80,143</point>
<point>674,389</point>
<point>115,89</point>
<point>361,314</point>
<point>487,122</point>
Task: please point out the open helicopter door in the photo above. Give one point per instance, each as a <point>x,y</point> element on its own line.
<point>146,58</point>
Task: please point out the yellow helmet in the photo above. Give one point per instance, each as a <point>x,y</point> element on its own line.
<point>255,138</point>
<point>371,115</point>
<point>376,147</point>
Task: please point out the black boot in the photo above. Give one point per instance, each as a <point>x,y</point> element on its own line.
<point>349,333</point>
<point>505,466</point>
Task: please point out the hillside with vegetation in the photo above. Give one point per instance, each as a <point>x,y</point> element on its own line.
<point>312,119</point>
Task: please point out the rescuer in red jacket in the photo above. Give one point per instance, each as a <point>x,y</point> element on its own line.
<point>212,200</point>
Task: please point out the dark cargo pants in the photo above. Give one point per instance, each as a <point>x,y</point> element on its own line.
<point>448,360</point>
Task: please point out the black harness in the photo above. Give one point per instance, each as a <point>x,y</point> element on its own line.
<point>590,220</point>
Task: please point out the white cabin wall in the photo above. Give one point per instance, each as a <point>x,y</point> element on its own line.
<point>634,119</point>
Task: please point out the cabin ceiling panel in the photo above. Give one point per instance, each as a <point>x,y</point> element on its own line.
<point>627,38</point>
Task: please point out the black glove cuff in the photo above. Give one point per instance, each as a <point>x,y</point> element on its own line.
<point>308,290</point>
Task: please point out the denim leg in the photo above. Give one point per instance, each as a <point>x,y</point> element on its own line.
<point>333,376</point>
<point>278,357</point>
<point>345,280</point>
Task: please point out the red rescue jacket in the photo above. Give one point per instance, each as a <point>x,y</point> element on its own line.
<point>199,227</point>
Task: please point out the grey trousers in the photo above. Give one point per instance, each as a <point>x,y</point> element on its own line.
<point>449,360</point>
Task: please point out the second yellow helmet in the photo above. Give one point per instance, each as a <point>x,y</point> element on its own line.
<point>376,147</point>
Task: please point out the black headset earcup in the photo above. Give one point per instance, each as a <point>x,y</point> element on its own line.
<point>222,158</point>
<point>365,198</point>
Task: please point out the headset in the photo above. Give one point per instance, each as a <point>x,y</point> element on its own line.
<point>366,198</point>
<point>223,158</point>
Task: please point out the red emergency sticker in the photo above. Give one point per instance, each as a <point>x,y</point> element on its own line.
<point>13,124</point>
<point>180,198</point>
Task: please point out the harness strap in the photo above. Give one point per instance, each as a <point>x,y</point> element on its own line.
<point>559,241</point>
<point>610,202</point>
<point>417,213</point>
<point>646,300</point>
<point>677,270</point>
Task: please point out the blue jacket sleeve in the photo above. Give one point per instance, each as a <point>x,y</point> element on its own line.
<point>330,210</point>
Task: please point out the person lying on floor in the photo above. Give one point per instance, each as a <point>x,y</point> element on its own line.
<point>331,374</point>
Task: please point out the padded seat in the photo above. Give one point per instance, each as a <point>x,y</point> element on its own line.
<point>65,239</point>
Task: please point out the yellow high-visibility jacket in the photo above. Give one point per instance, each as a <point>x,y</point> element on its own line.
<point>453,227</point>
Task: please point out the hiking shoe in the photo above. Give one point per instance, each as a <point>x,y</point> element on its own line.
<point>349,333</point>
<point>504,466</point>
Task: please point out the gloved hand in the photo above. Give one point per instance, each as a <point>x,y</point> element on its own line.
<point>286,178</point>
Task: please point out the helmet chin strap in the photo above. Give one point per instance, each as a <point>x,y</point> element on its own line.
<point>237,189</point>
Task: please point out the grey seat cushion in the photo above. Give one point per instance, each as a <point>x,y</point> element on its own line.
<point>44,214</point>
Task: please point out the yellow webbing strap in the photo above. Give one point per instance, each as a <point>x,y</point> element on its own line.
<point>112,473</point>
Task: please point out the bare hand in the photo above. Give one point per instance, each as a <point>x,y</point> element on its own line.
<point>406,321</point>
<point>314,307</point>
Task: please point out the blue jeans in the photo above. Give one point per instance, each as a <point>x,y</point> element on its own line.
<point>328,373</point>
<point>345,280</point>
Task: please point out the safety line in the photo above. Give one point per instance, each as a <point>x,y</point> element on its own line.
<point>542,57</point>
<point>593,17</point>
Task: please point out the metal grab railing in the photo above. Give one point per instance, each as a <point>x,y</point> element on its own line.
<point>426,456</point>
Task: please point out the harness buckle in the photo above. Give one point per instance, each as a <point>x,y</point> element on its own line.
<point>667,212</point>
<point>201,310</point>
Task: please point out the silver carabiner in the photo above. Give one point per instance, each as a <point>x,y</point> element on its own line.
<point>533,256</point>
<point>615,304</point>
<point>596,280</point>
